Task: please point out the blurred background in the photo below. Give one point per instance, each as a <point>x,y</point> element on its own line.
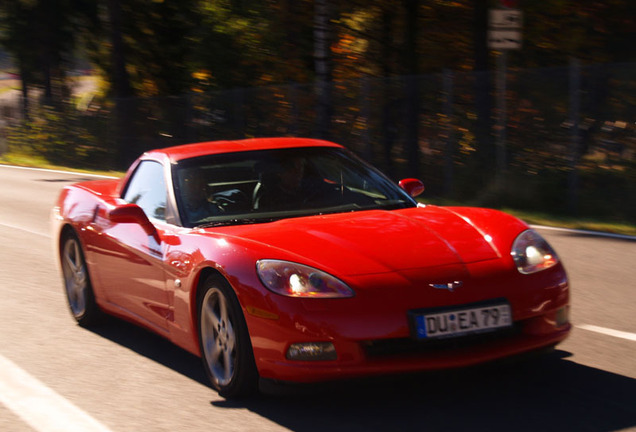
<point>531,107</point>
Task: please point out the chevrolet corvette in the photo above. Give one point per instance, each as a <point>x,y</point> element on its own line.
<point>292,259</point>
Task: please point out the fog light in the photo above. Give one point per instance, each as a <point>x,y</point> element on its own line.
<point>312,351</point>
<point>562,316</point>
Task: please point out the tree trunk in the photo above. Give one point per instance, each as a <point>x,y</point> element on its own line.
<point>323,63</point>
<point>389,112</point>
<point>45,41</point>
<point>121,80</point>
<point>122,90</point>
<point>412,88</point>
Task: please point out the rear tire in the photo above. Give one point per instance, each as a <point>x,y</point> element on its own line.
<point>77,283</point>
<point>224,340</point>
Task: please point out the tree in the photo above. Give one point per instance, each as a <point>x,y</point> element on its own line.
<point>323,37</point>
<point>42,36</point>
<point>119,72</point>
<point>17,20</point>
<point>411,9</point>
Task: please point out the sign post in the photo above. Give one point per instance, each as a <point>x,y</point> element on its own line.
<point>504,34</point>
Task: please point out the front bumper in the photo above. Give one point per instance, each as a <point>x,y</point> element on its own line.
<point>371,332</point>
<point>403,355</point>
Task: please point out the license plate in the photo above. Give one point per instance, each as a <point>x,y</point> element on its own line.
<point>461,321</point>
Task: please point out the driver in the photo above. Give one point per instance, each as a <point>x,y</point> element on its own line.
<point>195,197</point>
<point>283,186</point>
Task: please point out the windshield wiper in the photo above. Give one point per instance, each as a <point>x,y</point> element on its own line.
<point>236,221</point>
<point>275,216</point>
<point>392,205</point>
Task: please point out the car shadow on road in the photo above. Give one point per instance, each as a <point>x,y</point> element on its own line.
<point>152,346</point>
<point>549,392</point>
<point>545,393</point>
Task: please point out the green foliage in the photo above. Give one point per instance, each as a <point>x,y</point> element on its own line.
<point>41,35</point>
<point>180,57</point>
<point>158,37</point>
<point>246,43</point>
<point>250,43</point>
<point>61,138</point>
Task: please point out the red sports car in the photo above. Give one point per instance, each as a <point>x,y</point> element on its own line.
<point>291,259</point>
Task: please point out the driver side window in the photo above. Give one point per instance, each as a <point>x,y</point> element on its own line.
<point>147,189</point>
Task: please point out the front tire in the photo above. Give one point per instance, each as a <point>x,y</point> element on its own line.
<point>224,340</point>
<point>77,283</point>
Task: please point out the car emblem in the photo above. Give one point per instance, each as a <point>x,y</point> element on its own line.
<point>450,286</point>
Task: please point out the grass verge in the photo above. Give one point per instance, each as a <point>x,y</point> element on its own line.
<point>537,218</point>
<point>38,162</point>
<point>560,221</point>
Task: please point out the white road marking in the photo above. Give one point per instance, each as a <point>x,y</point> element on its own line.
<point>25,230</point>
<point>609,332</point>
<point>585,232</point>
<point>39,406</point>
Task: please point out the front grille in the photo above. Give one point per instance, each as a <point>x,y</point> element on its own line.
<point>409,346</point>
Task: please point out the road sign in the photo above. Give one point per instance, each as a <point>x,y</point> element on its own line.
<point>506,18</point>
<point>505,29</point>
<point>504,39</point>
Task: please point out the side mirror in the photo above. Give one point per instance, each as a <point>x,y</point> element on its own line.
<point>132,213</point>
<point>413,187</point>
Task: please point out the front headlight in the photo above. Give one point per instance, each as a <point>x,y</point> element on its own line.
<point>531,253</point>
<point>297,280</point>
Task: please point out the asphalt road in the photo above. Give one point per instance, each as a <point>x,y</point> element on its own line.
<point>56,376</point>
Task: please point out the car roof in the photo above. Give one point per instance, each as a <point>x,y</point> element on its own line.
<point>188,151</point>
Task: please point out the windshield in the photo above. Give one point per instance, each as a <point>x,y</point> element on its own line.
<point>266,185</point>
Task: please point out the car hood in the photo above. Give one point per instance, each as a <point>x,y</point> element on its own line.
<point>372,242</point>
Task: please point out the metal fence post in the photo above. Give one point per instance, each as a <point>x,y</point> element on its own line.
<point>365,114</point>
<point>449,150</point>
<point>239,112</point>
<point>502,115</point>
<point>575,109</point>
<point>293,127</point>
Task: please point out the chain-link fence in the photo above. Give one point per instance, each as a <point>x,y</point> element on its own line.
<point>566,141</point>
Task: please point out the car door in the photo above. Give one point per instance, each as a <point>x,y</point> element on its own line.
<point>131,261</point>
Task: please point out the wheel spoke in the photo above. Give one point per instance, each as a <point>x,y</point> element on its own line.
<point>229,341</point>
<point>80,276</point>
<point>218,336</point>
<point>214,354</point>
<point>223,309</point>
<point>208,344</point>
<point>228,364</point>
<point>231,338</point>
<point>75,277</point>
<point>69,262</point>
<point>210,317</point>
<point>80,296</point>
<point>73,254</point>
